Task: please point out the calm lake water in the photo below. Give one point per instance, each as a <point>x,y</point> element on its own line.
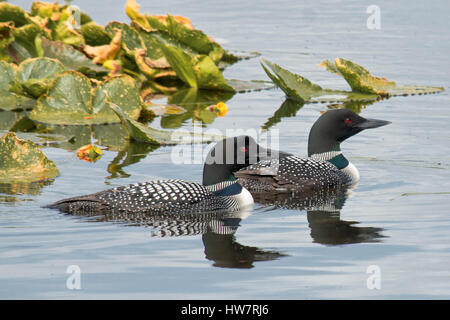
<point>397,219</point>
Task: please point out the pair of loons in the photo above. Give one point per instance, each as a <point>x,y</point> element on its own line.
<point>234,168</point>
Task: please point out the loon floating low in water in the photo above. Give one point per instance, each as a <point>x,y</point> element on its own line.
<point>220,190</point>
<point>325,166</point>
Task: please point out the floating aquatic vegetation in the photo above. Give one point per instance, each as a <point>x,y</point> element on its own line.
<point>70,57</point>
<point>72,100</point>
<point>11,100</point>
<point>33,76</point>
<point>89,153</point>
<point>23,161</point>
<point>299,88</point>
<point>57,31</point>
<point>365,87</point>
<point>139,132</point>
<point>361,80</point>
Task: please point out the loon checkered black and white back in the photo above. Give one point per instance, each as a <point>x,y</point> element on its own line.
<point>220,190</point>
<point>325,166</point>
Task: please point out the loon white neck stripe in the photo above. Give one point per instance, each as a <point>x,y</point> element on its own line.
<point>220,185</point>
<point>325,156</point>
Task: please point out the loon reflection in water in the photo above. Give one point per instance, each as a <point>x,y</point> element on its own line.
<point>323,209</point>
<point>217,230</point>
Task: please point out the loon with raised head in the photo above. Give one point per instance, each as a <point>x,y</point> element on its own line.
<point>220,190</point>
<point>325,166</point>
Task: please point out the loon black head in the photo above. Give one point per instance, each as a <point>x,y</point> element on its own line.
<point>230,155</point>
<point>335,126</point>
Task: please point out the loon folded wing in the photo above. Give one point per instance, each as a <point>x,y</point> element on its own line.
<point>290,173</point>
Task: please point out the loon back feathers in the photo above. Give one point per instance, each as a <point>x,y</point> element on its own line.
<point>291,173</point>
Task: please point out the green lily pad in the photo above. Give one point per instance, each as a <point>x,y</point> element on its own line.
<point>299,88</point>
<point>175,33</point>
<point>202,73</point>
<point>33,76</point>
<point>10,100</point>
<point>143,51</point>
<point>25,36</point>
<point>23,161</point>
<point>193,38</point>
<point>9,12</point>
<point>182,64</point>
<point>94,34</point>
<point>361,80</point>
<point>71,58</point>
<point>139,132</point>
<point>72,100</point>
<point>6,37</point>
<point>130,37</point>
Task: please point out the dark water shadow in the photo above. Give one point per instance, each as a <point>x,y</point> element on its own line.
<point>217,230</point>
<point>289,108</point>
<point>323,209</point>
<point>131,153</point>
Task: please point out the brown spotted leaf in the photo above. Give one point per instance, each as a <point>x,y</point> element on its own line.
<point>23,161</point>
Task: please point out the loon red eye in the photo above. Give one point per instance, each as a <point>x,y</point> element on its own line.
<point>243,149</point>
<point>348,121</point>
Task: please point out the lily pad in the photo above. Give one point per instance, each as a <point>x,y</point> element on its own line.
<point>201,73</point>
<point>23,161</point>
<point>6,37</point>
<point>25,36</point>
<point>9,12</point>
<point>10,100</point>
<point>361,80</point>
<point>182,64</point>
<point>71,58</point>
<point>139,132</point>
<point>193,38</point>
<point>33,76</point>
<point>72,100</point>
<point>175,30</point>
<point>299,88</point>
<point>94,34</point>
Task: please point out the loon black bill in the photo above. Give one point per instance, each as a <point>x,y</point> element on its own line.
<point>372,123</point>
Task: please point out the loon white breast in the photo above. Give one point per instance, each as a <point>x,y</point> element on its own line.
<point>220,191</point>
<point>325,166</point>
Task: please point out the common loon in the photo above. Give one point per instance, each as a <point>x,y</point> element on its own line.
<point>220,190</point>
<point>325,166</point>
